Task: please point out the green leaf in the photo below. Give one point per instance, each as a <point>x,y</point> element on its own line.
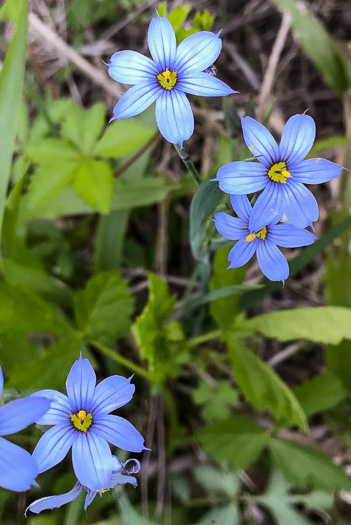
<point>305,466</point>
<point>262,387</point>
<point>204,21</point>
<point>228,514</point>
<point>320,393</point>
<point>178,16</point>
<point>110,240</point>
<point>22,311</point>
<point>138,191</point>
<point>329,143</point>
<point>53,152</point>
<point>319,46</point>
<point>11,84</point>
<point>122,137</point>
<point>104,307</point>
<point>93,180</point>
<point>236,441</point>
<point>129,515</point>
<point>84,127</point>
<point>224,310</point>
<point>50,369</point>
<point>327,324</point>
<point>201,209</point>
<point>218,481</point>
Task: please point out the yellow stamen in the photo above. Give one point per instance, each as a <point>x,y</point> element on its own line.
<point>251,237</point>
<point>262,234</point>
<point>251,148</point>
<point>167,79</point>
<point>279,173</point>
<point>81,420</point>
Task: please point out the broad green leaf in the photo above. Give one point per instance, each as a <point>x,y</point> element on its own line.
<point>204,21</point>
<point>228,514</point>
<point>142,191</point>
<point>215,400</point>
<point>50,369</point>
<point>11,84</point>
<point>262,387</point>
<point>104,307</point>
<point>54,152</point>
<point>236,441</point>
<point>93,180</point>
<point>333,66</point>
<point>320,393</point>
<point>224,310</point>
<point>201,209</point>
<point>178,16</point>
<point>327,324</point>
<point>26,351</point>
<point>219,481</point>
<point>109,241</point>
<point>129,515</point>
<point>22,311</point>
<point>329,143</point>
<point>123,137</point>
<point>84,127</point>
<point>306,466</point>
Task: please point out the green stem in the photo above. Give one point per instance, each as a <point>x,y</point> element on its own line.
<point>183,154</point>
<point>215,334</point>
<point>120,359</point>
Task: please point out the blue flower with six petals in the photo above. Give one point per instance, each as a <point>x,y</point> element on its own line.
<point>263,241</point>
<point>281,173</point>
<point>173,72</point>
<point>120,476</point>
<point>18,469</point>
<point>82,420</point>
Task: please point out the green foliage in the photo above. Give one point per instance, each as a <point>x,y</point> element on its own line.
<point>159,343</point>
<point>215,401</point>
<point>104,307</point>
<point>236,441</point>
<point>306,466</point>
<point>333,66</point>
<point>262,387</point>
<point>321,393</point>
<point>328,324</point>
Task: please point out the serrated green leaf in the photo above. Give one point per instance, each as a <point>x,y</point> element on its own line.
<point>50,369</point>
<point>104,307</point>
<point>11,84</point>
<point>93,180</point>
<point>306,466</point>
<point>84,127</point>
<point>262,387</point>
<point>320,393</point>
<point>55,152</point>
<point>178,16</point>
<point>204,21</point>
<point>326,324</point>
<point>123,137</point>
<point>319,46</point>
<point>236,441</point>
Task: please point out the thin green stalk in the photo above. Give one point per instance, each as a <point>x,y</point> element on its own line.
<point>183,154</point>
<point>215,334</point>
<point>120,359</point>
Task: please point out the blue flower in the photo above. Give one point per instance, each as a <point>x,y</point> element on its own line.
<point>83,421</point>
<point>18,469</point>
<point>173,72</point>
<point>281,172</point>
<point>263,241</point>
<point>120,476</point>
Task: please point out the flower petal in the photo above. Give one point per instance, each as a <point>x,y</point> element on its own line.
<point>89,498</point>
<point>241,206</point>
<point>174,116</point>
<point>119,432</point>
<point>120,473</point>
<point>197,52</point>
<point>54,502</point>
<point>230,227</point>
<point>80,385</point>
<point>1,381</point>
<point>260,142</point>
<point>162,43</point>
<point>53,446</point>
<point>271,261</point>
<point>92,460</point>
<point>241,177</point>
<point>112,393</point>
<point>297,138</point>
<point>136,100</point>
<point>242,252</point>
<point>314,171</point>
<point>268,207</point>
<point>18,469</point>
<point>203,84</point>
<point>60,409</point>
<point>130,67</point>
<point>17,415</point>
<point>300,206</point>
<point>287,236</point>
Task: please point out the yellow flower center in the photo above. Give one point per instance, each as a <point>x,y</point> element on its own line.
<point>262,234</point>
<point>82,420</point>
<point>279,173</point>
<point>167,79</point>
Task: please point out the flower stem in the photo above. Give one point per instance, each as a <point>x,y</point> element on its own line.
<point>120,359</point>
<point>215,334</point>
<point>183,154</point>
